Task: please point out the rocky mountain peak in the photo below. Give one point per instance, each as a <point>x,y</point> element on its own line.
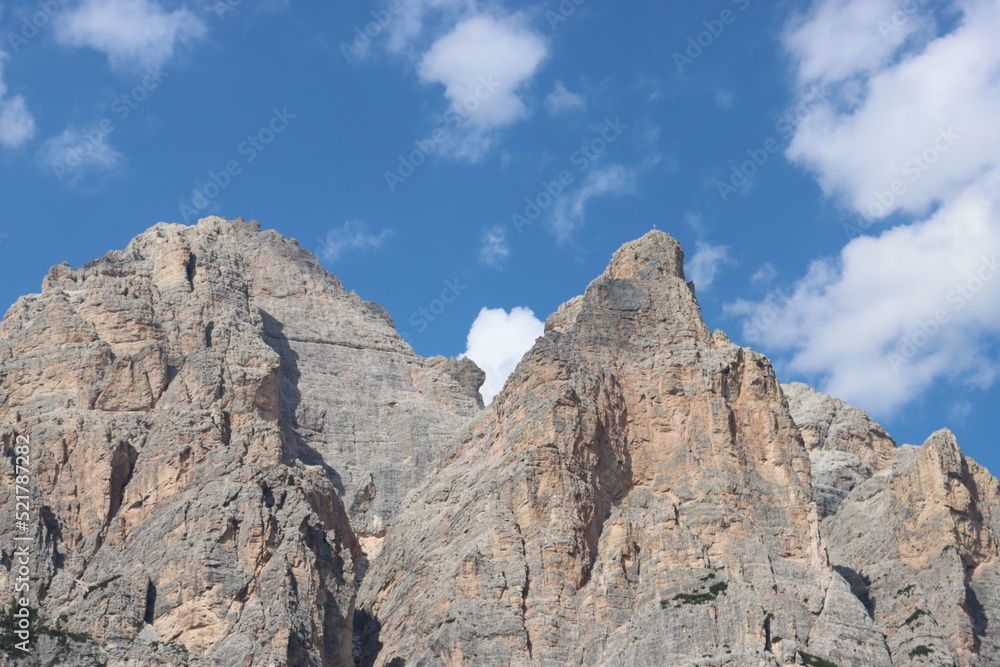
<point>238,461</point>
<point>650,257</point>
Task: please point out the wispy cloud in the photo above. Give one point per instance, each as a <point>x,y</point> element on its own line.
<point>561,100</point>
<point>705,263</point>
<point>765,275</point>
<point>17,125</point>
<point>81,159</point>
<point>352,236</point>
<point>133,34</point>
<point>570,210</point>
<point>494,248</point>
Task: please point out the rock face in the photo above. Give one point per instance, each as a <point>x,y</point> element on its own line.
<point>845,445</point>
<point>914,534</point>
<point>637,495</point>
<point>927,556</point>
<point>214,422</point>
<point>234,461</point>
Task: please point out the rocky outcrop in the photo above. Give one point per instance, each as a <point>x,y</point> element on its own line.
<point>214,423</point>
<point>846,446</point>
<point>919,542</point>
<point>913,529</point>
<point>638,494</point>
<point>829,424</point>
<point>236,461</point>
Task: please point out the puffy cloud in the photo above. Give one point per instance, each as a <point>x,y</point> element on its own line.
<point>904,123</point>
<point>494,248</point>
<point>561,100</point>
<point>905,134</point>
<point>352,236</point>
<point>498,340</point>
<point>893,313</point>
<point>482,63</point>
<point>410,22</point>
<point>838,39</point>
<point>705,263</point>
<point>131,33</point>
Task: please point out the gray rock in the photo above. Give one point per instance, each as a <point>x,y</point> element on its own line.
<point>637,494</point>
<point>236,461</point>
<point>201,407</point>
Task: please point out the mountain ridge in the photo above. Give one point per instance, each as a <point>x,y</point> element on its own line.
<point>220,424</point>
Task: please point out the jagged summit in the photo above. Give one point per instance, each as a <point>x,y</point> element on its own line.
<point>237,461</point>
<point>653,255</point>
<point>222,436</point>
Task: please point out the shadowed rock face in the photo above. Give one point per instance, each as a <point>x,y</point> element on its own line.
<point>214,421</point>
<point>237,462</point>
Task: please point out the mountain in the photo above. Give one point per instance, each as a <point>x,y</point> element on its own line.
<point>218,428</point>
<point>235,461</point>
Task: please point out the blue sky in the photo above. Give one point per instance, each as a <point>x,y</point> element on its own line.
<point>831,167</point>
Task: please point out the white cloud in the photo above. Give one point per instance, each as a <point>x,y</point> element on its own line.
<point>765,275</point>
<point>131,33</point>
<point>482,64</point>
<point>352,236</point>
<point>695,221</point>
<point>570,210</point>
<point>924,124</point>
<point>561,100</point>
<point>17,125</point>
<point>905,124</point>
<point>81,159</point>
<point>494,248</point>
<point>838,39</point>
<point>410,23</point>
<point>498,340</point>
<point>705,263</point>
<point>896,312</point>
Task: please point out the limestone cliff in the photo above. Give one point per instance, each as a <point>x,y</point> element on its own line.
<point>214,422</point>
<point>638,494</point>
<point>235,461</point>
<point>915,535</point>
